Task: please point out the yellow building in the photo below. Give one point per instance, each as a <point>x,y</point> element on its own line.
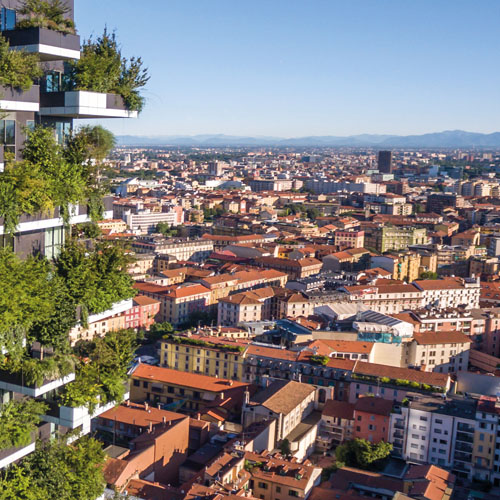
<point>213,356</point>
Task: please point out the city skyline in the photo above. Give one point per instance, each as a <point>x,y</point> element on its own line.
<point>293,69</point>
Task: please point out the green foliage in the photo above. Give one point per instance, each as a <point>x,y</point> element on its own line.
<point>285,448</point>
<point>18,420</point>
<point>361,453</point>
<point>56,470</point>
<point>25,295</point>
<point>86,230</point>
<point>52,175</point>
<point>202,343</point>
<point>200,318</point>
<point>102,68</point>
<point>159,330</point>
<point>97,279</point>
<point>428,275</point>
<point>36,371</point>
<point>319,360</point>
<point>18,69</point>
<point>49,14</point>
<point>102,378</point>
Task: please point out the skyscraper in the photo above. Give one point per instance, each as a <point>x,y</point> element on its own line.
<point>385,162</point>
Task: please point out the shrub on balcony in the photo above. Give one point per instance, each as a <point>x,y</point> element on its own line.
<point>18,69</point>
<point>97,279</point>
<point>36,371</point>
<point>319,360</point>
<point>52,175</point>
<point>102,68</point>
<point>18,419</point>
<point>102,378</point>
<point>50,14</point>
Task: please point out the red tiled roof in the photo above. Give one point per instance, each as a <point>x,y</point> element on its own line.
<point>185,379</point>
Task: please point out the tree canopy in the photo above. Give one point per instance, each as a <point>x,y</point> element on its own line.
<point>361,453</point>
<point>57,470</point>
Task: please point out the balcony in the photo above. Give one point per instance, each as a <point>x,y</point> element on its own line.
<point>19,100</point>
<point>14,382</point>
<point>50,45</point>
<point>83,104</point>
<point>41,221</point>
<point>78,418</point>
<point>2,164</point>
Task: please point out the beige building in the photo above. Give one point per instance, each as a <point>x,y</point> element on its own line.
<point>254,305</point>
<point>450,292</point>
<point>445,352</point>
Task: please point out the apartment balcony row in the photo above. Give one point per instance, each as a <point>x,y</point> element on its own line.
<point>42,221</point>
<point>15,382</point>
<point>50,45</point>
<point>8,456</point>
<point>78,418</point>
<point>64,104</point>
<point>84,104</point>
<point>20,100</point>
<point>2,164</point>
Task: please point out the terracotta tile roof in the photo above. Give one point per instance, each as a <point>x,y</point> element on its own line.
<point>283,396</point>
<point>142,300</point>
<point>440,284</point>
<point>433,338</point>
<point>354,346</point>
<point>375,405</point>
<point>392,372</point>
<point>270,352</point>
<point>137,414</point>
<point>340,409</point>
<point>185,379</point>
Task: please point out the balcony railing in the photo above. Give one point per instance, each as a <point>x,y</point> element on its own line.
<point>15,382</point>
<point>50,45</point>
<point>84,104</point>
<point>19,100</point>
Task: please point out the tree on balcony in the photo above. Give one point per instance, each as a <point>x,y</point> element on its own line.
<point>18,69</point>
<point>50,14</point>
<point>56,470</point>
<point>18,419</point>
<point>102,68</point>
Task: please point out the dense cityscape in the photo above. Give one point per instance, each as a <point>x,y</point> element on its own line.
<point>226,322</point>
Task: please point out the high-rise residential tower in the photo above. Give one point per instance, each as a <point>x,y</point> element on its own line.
<point>385,162</point>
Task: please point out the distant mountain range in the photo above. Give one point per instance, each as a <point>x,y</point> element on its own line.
<point>446,139</point>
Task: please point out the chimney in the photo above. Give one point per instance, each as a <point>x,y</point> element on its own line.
<point>150,426</point>
<point>164,420</point>
<point>146,406</point>
<point>127,402</point>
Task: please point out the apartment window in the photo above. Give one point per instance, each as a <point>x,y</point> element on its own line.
<point>293,493</point>
<point>137,383</point>
<point>54,239</point>
<point>145,385</point>
<point>7,19</point>
<point>8,135</point>
<point>262,485</point>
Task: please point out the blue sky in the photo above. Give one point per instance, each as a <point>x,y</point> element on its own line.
<point>308,67</point>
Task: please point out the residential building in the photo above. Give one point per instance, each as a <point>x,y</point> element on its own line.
<point>209,355</point>
<point>192,393</point>
<point>372,419</point>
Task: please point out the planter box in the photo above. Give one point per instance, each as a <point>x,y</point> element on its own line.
<point>50,45</point>
<point>14,382</point>
<point>84,104</point>
<point>19,100</point>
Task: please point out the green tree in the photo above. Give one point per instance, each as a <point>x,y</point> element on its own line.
<point>51,14</point>
<point>361,453</point>
<point>67,472</point>
<point>18,69</point>
<point>285,448</point>
<point>102,68</point>
<point>428,275</point>
<point>18,420</point>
